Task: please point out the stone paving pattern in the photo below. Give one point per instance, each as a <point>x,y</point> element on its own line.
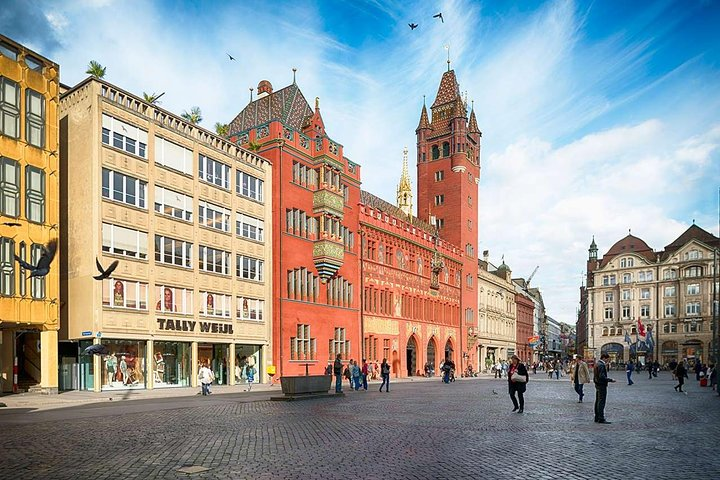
<point>422,429</point>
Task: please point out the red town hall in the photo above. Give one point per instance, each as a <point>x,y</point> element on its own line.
<point>352,273</point>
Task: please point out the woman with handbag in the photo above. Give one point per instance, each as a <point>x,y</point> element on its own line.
<point>517,382</point>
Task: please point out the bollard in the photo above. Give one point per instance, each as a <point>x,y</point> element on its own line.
<point>15,375</point>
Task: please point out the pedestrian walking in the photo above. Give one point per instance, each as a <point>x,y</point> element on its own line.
<point>385,374</point>
<point>579,376</point>
<point>600,377</point>
<point>498,370</point>
<point>698,369</point>
<point>712,376</point>
<point>364,373</point>
<point>517,383</point>
<point>355,371</point>
<point>206,377</point>
<point>347,373</point>
<point>680,374</point>
<point>337,371</point>
<point>629,370</point>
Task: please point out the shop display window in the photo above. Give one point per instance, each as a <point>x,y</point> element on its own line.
<point>124,366</point>
<point>171,364</point>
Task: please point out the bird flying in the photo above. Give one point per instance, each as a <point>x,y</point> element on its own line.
<point>230,56</point>
<point>43,265</point>
<point>412,26</point>
<point>12,224</point>
<point>105,273</point>
<point>439,15</point>
<point>96,349</point>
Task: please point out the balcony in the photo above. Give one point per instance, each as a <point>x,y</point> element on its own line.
<point>328,255</point>
<point>329,200</point>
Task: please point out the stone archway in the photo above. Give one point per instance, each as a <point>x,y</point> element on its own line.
<point>411,355</point>
<point>616,352</point>
<point>449,350</point>
<point>431,353</point>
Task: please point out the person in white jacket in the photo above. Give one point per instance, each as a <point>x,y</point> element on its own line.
<point>206,377</point>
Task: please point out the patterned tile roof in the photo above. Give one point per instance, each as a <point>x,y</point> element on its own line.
<point>287,105</point>
<point>377,203</point>
<point>629,244</point>
<point>692,233</point>
<point>449,89</point>
<point>424,122</point>
<point>473,126</point>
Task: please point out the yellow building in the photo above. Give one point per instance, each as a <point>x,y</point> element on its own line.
<point>29,183</point>
<point>183,212</point>
<point>496,328</point>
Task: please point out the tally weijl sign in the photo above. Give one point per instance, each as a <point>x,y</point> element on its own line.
<point>194,326</point>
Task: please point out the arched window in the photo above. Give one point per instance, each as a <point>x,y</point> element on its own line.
<point>604,332</point>
<point>435,152</point>
<point>446,149</point>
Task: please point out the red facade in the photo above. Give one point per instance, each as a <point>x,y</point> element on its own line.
<point>524,327</point>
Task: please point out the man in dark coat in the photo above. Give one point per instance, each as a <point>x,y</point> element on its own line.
<point>337,371</point>
<point>601,382</point>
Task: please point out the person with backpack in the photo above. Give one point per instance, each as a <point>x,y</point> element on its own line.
<point>348,374</point>
<point>385,374</point>
<point>355,370</point>
<point>364,372</point>
<point>338,371</point>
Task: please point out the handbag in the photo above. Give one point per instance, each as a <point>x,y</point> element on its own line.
<point>516,377</point>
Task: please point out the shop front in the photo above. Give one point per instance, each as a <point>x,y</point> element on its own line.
<point>172,364</point>
<point>124,367</point>
<point>248,359</point>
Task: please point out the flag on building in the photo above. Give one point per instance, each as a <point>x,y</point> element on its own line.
<point>628,340</point>
<point>641,330</point>
<point>649,339</point>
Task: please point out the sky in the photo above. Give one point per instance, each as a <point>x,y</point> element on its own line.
<point>598,118</point>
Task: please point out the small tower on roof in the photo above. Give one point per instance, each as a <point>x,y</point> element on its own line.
<point>404,189</point>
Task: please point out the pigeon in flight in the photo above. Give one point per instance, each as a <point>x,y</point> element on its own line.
<point>97,349</point>
<point>412,26</point>
<point>12,224</point>
<point>230,56</point>
<point>105,273</point>
<point>43,265</point>
<point>439,15</point>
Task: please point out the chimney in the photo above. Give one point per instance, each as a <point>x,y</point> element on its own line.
<point>486,255</point>
<point>264,89</point>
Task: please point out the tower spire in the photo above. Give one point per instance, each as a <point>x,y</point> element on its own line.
<point>447,47</point>
<point>404,189</point>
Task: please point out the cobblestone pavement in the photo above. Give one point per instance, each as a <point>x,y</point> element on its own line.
<point>421,429</point>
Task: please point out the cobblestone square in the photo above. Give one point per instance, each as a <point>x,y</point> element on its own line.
<point>421,429</point>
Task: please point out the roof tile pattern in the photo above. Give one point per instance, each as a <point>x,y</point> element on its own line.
<point>629,244</point>
<point>377,203</point>
<point>287,105</point>
<point>448,90</point>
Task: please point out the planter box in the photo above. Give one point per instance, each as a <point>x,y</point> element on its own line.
<point>305,385</point>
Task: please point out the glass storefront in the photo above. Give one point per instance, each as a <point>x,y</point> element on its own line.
<point>171,364</point>
<point>216,357</point>
<point>247,363</point>
<point>124,366</point>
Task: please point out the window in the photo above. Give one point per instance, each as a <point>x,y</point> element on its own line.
<point>339,345</point>
<point>609,296</point>
<point>124,188</point>
<point>670,327</point>
<point>249,268</point>
<point>37,284</point>
<point>692,327</point>
<point>9,108</point>
<point>644,311</point>
<point>124,241</point>
<point>692,308</point>
<point>669,309</point>
<point>7,267</point>
<point>469,250</point>
<point>302,346</point>
<point>174,300</point>
<point>386,348</point>
<point>250,309</point>
<point>439,223</point>
<point>608,280</point>
<point>469,224</point>
<point>214,172</point>
<point>446,149</point>
<point>645,293</point>
<point>669,292</point>
<point>605,332</point>
<point>439,199</point>
<point>693,289</point>
<point>297,222</point>
<point>608,313</point>
<point>626,295</point>
<point>9,187</point>
<point>626,311</point>
<point>302,285</point>
<point>469,201</point>
<point>8,51</point>
<point>440,175</point>
<point>305,176</point>
<point>213,216</point>
<point>469,281</point>
<point>33,63</point>
<point>645,276</point>
<point>124,136</point>
<point>249,227</point>
<point>174,156</point>
<point>249,186</point>
<point>124,294</point>
<point>34,118</point>
<point>626,262</point>
<point>173,204</point>
<point>212,260</point>
<point>339,292</point>
<point>693,272</point>
<point>669,274</point>
<point>435,152</point>
<point>627,277</point>
<point>693,255</point>
<point>215,305</point>
<point>34,194</point>
<point>173,252</point>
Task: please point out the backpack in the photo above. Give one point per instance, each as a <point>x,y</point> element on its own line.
<point>346,373</point>
<point>385,369</point>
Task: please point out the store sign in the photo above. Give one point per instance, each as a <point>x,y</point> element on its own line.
<point>194,326</point>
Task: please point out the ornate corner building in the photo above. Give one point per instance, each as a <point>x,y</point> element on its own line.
<point>29,217</point>
<point>668,292</point>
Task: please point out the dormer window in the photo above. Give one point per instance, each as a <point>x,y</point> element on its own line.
<point>627,262</point>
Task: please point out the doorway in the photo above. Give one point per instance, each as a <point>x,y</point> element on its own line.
<point>411,356</point>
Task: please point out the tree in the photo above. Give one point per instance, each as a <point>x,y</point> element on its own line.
<point>95,69</point>
<point>194,116</point>
<point>152,98</point>
<point>253,146</point>
<point>222,129</point>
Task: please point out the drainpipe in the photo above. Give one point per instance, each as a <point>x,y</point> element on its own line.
<point>280,254</point>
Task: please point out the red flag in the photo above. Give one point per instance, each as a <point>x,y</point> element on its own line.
<point>641,328</point>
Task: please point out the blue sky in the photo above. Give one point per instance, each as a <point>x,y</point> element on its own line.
<point>597,117</point>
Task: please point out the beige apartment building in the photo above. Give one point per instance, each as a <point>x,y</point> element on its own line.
<point>29,196</point>
<point>669,291</point>
<point>496,327</point>
<point>183,212</point>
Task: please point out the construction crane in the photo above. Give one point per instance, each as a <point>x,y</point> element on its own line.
<point>527,282</point>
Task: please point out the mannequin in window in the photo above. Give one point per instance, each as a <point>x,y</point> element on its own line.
<point>111,366</point>
<point>159,368</point>
<point>124,370</point>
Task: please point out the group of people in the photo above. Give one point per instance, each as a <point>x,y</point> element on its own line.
<point>357,374</point>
